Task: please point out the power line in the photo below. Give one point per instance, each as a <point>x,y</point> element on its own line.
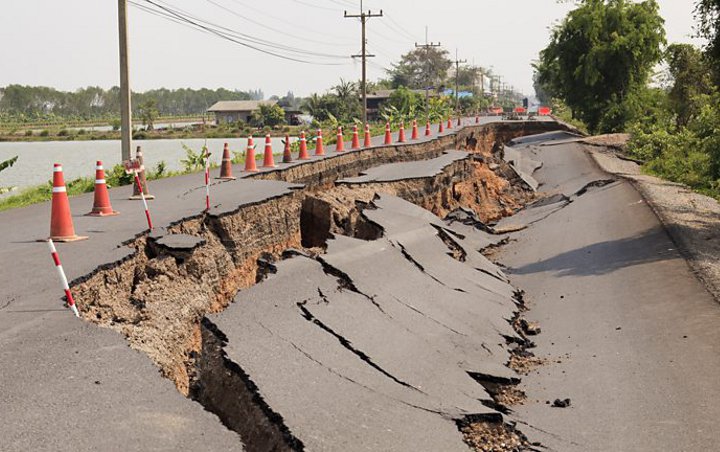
<point>401,28</point>
<point>314,6</point>
<point>176,15</point>
<point>337,41</point>
<point>260,24</point>
<point>245,36</point>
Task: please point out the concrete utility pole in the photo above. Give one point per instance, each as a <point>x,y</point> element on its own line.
<point>457,81</point>
<point>427,47</point>
<point>363,16</point>
<point>125,102</point>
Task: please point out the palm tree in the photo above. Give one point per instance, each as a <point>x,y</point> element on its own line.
<point>346,90</point>
<point>312,105</point>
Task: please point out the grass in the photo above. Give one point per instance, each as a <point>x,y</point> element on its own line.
<point>42,193</point>
<point>114,177</point>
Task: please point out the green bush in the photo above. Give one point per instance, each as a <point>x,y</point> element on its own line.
<point>63,133</point>
<point>45,133</point>
<point>117,176</point>
<point>28,133</point>
<point>689,155</point>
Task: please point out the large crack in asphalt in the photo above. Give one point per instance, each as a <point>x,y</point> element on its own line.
<point>348,345</point>
<point>246,412</point>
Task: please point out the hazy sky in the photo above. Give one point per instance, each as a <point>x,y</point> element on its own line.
<point>73,43</point>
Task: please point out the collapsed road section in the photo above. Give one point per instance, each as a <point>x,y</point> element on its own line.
<point>416,353</point>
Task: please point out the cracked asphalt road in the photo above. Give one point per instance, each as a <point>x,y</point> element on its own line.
<point>630,334</point>
<point>353,359</point>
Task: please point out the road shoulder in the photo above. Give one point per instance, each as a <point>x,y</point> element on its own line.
<point>691,219</point>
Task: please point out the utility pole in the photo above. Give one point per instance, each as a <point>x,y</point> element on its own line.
<point>482,82</point>
<point>427,47</point>
<point>125,102</point>
<point>457,81</point>
<point>363,16</point>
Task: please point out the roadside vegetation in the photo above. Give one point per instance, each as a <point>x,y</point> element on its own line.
<point>608,69</point>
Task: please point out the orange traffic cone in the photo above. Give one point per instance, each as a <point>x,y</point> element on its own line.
<point>141,175</point>
<point>61,224</point>
<point>319,149</point>
<point>340,145</point>
<point>355,139</point>
<point>226,166</point>
<point>368,140</point>
<point>449,126</point>
<point>427,129</point>
<point>250,164</point>
<point>441,128</point>
<point>287,155</point>
<point>401,134</point>
<point>388,135</point>
<point>101,205</point>
<point>415,135</point>
<point>268,160</point>
<point>303,148</point>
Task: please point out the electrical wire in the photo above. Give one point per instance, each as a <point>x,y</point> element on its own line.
<point>314,6</point>
<point>248,37</point>
<point>402,29</point>
<point>260,24</point>
<point>336,40</point>
<point>281,51</point>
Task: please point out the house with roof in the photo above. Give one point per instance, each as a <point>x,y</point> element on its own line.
<point>230,111</point>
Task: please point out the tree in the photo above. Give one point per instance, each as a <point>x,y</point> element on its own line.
<point>149,113</point>
<point>269,115</point>
<point>707,13</point>
<point>421,68</point>
<point>468,77</point>
<point>407,102</point>
<point>349,102</point>
<point>540,91</point>
<point>599,55</point>
<point>691,78</point>
<point>312,105</point>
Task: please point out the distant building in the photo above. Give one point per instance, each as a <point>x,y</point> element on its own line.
<point>229,111</point>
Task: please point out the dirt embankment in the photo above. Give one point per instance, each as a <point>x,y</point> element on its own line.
<point>158,297</point>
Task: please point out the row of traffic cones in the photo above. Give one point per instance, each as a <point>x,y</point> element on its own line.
<point>61,224</point>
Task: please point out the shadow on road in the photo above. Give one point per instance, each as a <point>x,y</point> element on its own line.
<point>606,257</point>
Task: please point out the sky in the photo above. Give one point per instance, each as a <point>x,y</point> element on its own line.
<point>74,43</point>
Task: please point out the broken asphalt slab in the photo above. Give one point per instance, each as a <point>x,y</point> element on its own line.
<point>419,169</point>
<point>339,349</point>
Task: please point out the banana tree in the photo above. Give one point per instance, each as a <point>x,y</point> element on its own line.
<point>3,166</point>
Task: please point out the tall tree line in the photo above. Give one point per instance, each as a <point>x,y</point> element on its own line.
<point>35,102</point>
